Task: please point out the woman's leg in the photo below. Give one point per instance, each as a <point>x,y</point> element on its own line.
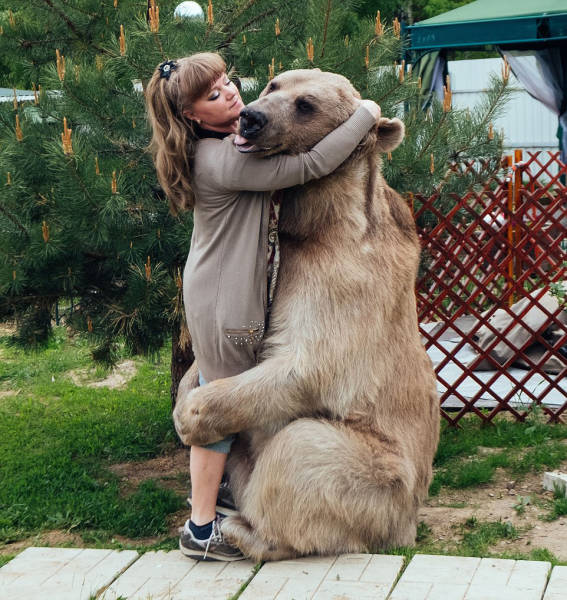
<point>207,467</point>
<point>201,538</point>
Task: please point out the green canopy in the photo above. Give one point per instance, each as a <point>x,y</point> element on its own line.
<point>498,22</point>
<point>520,29</point>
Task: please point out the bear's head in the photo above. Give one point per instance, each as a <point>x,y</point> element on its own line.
<point>298,108</point>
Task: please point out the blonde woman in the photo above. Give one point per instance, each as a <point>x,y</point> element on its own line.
<point>229,277</point>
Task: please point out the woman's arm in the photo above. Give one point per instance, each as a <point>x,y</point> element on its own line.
<point>246,172</point>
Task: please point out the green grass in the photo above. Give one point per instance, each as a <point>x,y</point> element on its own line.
<point>502,433</point>
<point>57,441</point>
<point>478,537</point>
<point>4,558</point>
<point>558,507</point>
<point>245,584</point>
<point>472,537</point>
<point>517,447</point>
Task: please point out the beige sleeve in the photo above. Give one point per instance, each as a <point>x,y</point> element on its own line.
<point>246,172</point>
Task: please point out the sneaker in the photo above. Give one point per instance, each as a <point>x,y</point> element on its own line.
<point>225,503</point>
<point>213,548</point>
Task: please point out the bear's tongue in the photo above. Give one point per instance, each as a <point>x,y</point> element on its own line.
<point>244,145</point>
<point>240,141</point>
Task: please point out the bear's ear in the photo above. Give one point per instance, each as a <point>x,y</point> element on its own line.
<point>390,134</point>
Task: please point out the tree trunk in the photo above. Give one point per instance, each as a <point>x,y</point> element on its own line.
<point>182,358</point>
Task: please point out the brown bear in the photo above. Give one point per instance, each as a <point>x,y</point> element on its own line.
<point>338,423</point>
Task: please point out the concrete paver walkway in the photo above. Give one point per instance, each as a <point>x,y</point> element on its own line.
<point>83,574</point>
<point>348,577</point>
<point>172,576</point>
<point>465,578</point>
<point>61,573</point>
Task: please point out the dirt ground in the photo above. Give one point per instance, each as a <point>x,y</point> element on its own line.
<point>444,514</point>
<point>118,378</point>
<point>170,471</point>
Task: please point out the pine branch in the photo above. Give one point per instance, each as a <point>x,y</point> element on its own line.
<point>433,137</point>
<point>483,123</point>
<point>228,40</point>
<point>96,255</point>
<point>389,92</point>
<point>72,26</point>
<point>342,62</point>
<point>64,18</point>
<point>27,300</point>
<point>49,43</point>
<point>158,41</point>
<point>14,221</point>
<point>80,182</point>
<point>88,107</point>
<point>327,15</point>
<point>76,8</point>
<point>245,8</point>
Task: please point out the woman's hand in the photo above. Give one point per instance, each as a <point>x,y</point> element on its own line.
<point>372,108</point>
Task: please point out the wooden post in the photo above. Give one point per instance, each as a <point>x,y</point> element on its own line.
<point>510,232</point>
<point>518,158</point>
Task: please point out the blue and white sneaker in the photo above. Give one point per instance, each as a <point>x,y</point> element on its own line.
<point>213,548</point>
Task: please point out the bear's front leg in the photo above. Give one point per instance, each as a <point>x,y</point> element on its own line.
<point>269,395</point>
<point>203,415</point>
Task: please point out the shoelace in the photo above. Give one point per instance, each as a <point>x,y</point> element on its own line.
<point>216,536</point>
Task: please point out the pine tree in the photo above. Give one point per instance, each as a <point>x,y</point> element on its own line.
<point>82,218</point>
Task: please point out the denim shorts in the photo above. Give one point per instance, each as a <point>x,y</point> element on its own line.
<point>223,446</point>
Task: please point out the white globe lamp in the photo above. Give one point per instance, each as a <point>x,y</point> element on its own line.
<point>189,10</point>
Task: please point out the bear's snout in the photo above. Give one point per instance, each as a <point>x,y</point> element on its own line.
<point>251,122</point>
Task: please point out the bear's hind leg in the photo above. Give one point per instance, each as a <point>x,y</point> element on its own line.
<point>321,488</point>
<point>241,534</point>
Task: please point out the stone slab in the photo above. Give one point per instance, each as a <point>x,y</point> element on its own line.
<point>466,578</point>
<point>61,573</point>
<point>557,586</point>
<point>345,577</point>
<point>413,590</point>
<point>555,481</point>
<point>173,576</point>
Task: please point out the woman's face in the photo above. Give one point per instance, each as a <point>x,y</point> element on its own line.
<point>219,108</point>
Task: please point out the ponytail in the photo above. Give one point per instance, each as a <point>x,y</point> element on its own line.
<point>173,136</point>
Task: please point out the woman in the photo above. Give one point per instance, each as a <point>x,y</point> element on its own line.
<point>230,273</point>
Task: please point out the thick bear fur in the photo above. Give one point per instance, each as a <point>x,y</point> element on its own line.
<point>339,421</point>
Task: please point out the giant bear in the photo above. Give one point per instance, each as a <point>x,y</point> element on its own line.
<point>338,422</point>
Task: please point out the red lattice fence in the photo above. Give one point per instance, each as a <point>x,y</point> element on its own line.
<point>487,294</point>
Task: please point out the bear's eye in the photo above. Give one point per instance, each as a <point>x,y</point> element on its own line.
<point>272,87</point>
<point>303,106</point>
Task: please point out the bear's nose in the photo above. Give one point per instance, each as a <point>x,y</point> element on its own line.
<point>251,122</point>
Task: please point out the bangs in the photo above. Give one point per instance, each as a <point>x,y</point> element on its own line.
<point>199,72</point>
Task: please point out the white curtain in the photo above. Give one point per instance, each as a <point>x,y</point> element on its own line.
<point>543,73</point>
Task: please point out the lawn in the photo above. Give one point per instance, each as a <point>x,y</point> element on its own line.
<point>100,466</point>
<point>58,440</point>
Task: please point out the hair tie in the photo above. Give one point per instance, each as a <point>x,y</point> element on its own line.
<point>166,67</point>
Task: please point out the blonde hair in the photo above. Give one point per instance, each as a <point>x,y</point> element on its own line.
<point>173,136</point>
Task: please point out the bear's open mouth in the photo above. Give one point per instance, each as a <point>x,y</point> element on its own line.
<point>243,145</point>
